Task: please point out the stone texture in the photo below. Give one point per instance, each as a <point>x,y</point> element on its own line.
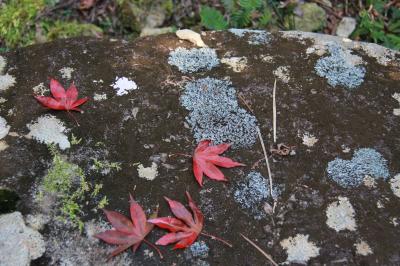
<point>149,125</point>
<point>19,244</point>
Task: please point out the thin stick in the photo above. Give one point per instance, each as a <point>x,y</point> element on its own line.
<point>217,238</point>
<point>262,251</point>
<point>274,110</point>
<point>153,246</point>
<point>73,117</point>
<point>267,161</point>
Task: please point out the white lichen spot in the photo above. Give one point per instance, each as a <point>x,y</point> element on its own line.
<point>345,149</point>
<point>4,128</point>
<point>363,249</point>
<point>3,145</point>
<point>6,82</point>
<point>149,173</point>
<point>124,85</point>
<point>48,129</point>
<point>2,100</point>
<point>66,72</point>
<point>40,89</point>
<point>238,64</point>
<point>3,64</point>
<point>267,58</point>
<point>309,140</point>
<point>190,36</point>
<point>99,97</point>
<point>396,111</point>
<point>340,215</point>
<point>369,181</point>
<point>282,73</point>
<point>299,249</point>
<point>395,185</point>
<point>379,204</point>
<point>394,221</point>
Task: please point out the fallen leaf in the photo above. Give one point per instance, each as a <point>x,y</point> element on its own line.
<point>185,228</point>
<point>86,4</point>
<point>126,233</point>
<point>206,159</point>
<point>62,100</point>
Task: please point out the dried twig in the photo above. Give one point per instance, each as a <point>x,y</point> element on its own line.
<point>274,110</point>
<point>267,161</point>
<point>262,251</point>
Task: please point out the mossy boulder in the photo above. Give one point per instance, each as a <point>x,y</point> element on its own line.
<point>334,165</point>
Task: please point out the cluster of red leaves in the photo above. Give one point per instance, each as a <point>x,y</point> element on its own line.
<point>206,159</point>
<point>63,100</point>
<point>184,229</point>
<point>127,233</point>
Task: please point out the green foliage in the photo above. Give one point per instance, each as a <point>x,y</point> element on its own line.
<point>212,18</point>
<point>239,14</point>
<point>381,26</point>
<point>74,140</point>
<point>61,29</point>
<point>17,21</point>
<point>67,182</point>
<point>105,165</point>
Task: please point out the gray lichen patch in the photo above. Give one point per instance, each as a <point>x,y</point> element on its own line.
<point>66,72</point>
<point>340,215</point>
<point>341,68</point>
<point>6,80</point>
<point>299,249</point>
<point>215,113</point>
<point>4,128</point>
<point>49,129</point>
<point>282,73</point>
<point>351,173</point>
<point>383,55</point>
<point>362,248</point>
<point>255,37</point>
<point>252,192</point>
<point>198,249</point>
<point>238,64</point>
<point>395,185</point>
<point>193,60</point>
<point>148,173</point>
<point>124,85</point>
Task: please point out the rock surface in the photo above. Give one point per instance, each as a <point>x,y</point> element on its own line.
<point>19,244</point>
<point>154,98</point>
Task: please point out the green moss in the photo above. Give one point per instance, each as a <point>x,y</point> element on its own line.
<point>105,165</point>
<point>61,29</point>
<point>17,21</point>
<point>68,183</point>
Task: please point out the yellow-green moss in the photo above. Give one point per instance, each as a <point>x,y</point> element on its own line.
<point>61,29</point>
<point>17,21</point>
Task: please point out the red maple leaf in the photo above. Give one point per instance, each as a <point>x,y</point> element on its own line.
<point>206,159</point>
<point>185,228</point>
<point>125,232</point>
<point>63,100</point>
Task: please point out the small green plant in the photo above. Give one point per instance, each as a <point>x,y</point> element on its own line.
<point>67,182</point>
<point>241,14</point>
<point>75,140</point>
<point>380,23</point>
<point>105,165</point>
<point>17,21</point>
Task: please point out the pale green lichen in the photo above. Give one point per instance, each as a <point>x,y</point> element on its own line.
<point>340,215</point>
<point>67,182</point>
<point>299,249</point>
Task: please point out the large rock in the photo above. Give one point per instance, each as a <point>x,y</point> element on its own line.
<point>19,244</point>
<point>151,100</point>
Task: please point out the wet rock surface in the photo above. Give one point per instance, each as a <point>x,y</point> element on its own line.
<point>130,143</point>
